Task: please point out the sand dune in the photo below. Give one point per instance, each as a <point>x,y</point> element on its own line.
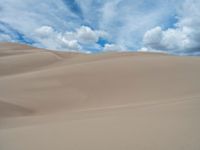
<point>57,100</point>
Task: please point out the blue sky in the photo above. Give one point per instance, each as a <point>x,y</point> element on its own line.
<point>170,26</point>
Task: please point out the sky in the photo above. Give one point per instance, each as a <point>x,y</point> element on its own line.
<point>90,26</point>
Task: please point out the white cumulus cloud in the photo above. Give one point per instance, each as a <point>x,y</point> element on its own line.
<point>86,35</point>
<point>113,47</point>
<point>184,37</point>
<point>48,37</point>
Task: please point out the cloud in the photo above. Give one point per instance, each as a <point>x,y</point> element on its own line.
<point>10,34</point>
<point>113,47</point>
<point>44,32</point>
<point>152,38</point>
<point>144,49</point>
<point>184,37</point>
<point>48,37</point>
<point>86,35</point>
<point>5,37</point>
<point>34,14</point>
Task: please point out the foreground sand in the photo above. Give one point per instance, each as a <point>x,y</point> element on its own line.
<point>113,101</point>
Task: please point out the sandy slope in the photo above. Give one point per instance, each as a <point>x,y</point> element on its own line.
<point>56,100</point>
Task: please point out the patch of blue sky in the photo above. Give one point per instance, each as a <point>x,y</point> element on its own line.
<point>74,7</point>
<point>102,42</point>
<point>170,22</point>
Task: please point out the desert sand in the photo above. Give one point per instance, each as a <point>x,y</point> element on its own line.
<point>111,101</point>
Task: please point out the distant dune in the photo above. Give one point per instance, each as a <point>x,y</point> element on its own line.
<point>111,101</point>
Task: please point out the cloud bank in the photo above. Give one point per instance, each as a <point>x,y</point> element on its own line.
<point>79,39</point>
<point>183,38</point>
<point>171,26</point>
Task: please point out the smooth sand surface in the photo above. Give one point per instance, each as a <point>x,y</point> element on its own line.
<point>111,101</point>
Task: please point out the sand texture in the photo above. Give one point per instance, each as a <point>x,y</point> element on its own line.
<point>111,101</point>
